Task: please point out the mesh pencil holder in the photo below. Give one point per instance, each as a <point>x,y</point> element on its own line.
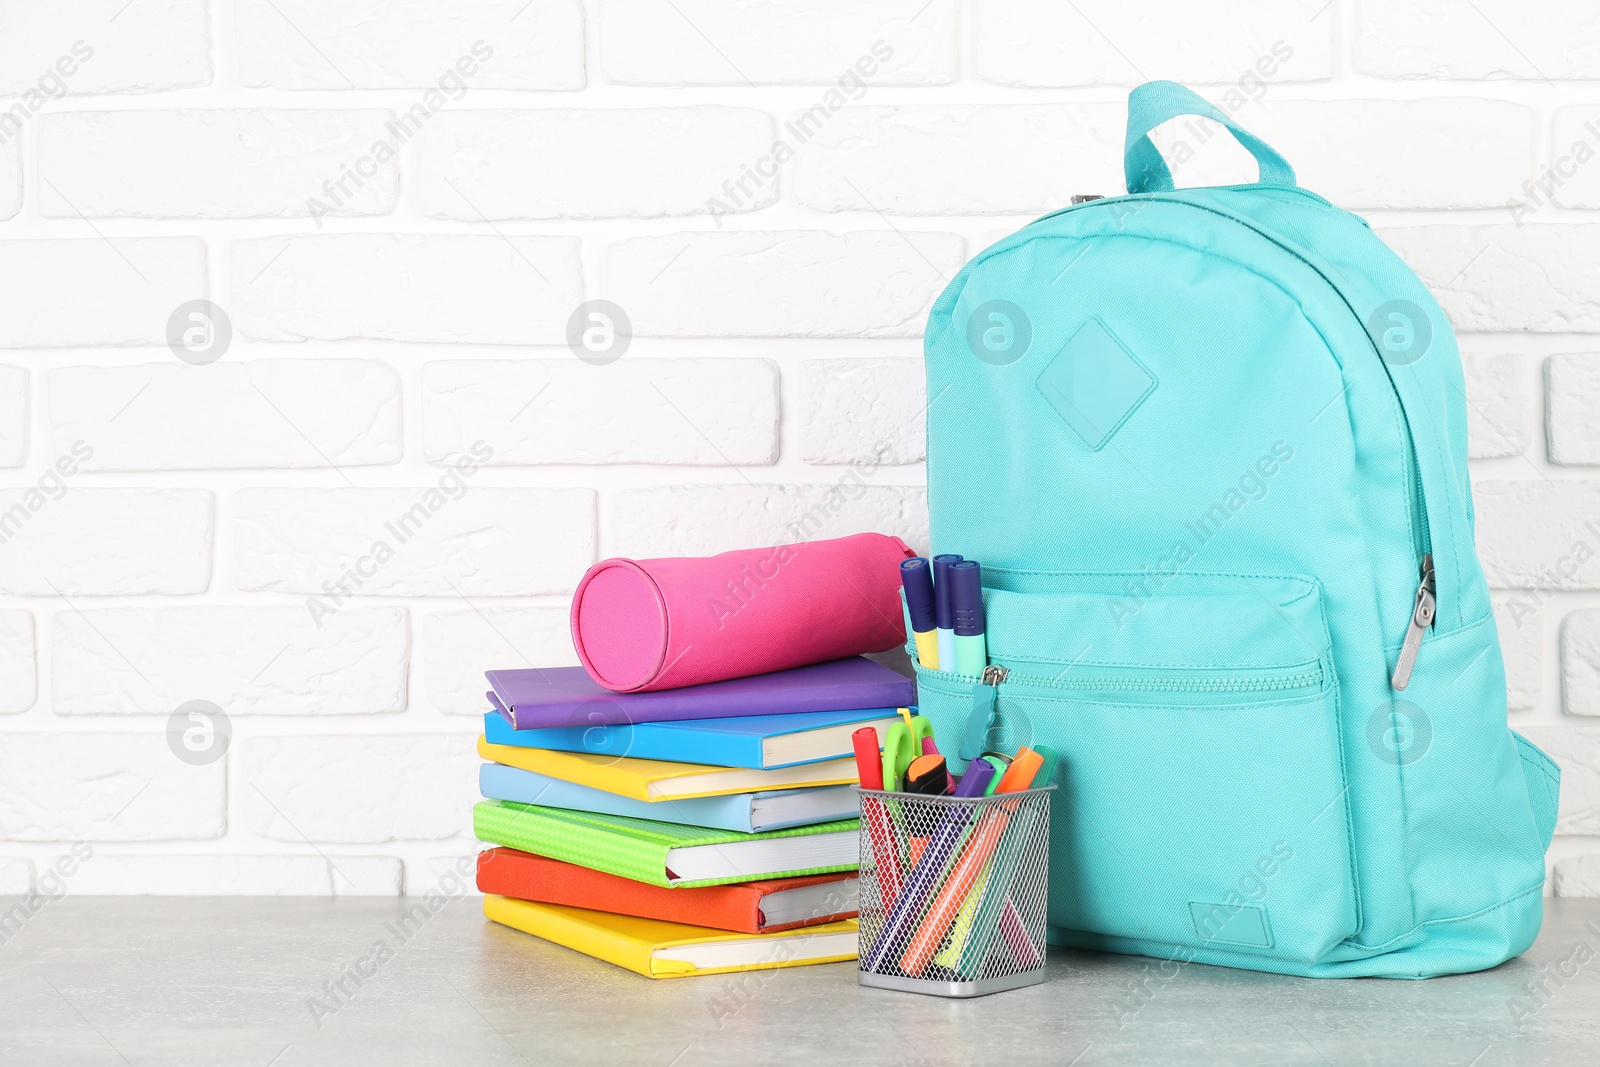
<point>953,891</point>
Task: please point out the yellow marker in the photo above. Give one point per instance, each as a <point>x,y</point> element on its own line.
<point>917,579</point>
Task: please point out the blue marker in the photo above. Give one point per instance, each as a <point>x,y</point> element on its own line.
<point>966,610</point>
<point>944,618</point>
<point>917,578</point>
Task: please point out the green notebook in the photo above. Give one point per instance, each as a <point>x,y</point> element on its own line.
<point>663,853</point>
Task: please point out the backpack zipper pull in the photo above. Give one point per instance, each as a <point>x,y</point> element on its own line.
<point>1422,613</point>
<point>985,696</point>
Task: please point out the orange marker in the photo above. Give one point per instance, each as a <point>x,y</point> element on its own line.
<point>1020,774</point>
<point>930,935</point>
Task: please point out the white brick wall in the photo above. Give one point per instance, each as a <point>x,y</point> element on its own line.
<point>256,660</point>
<point>210,164</point>
<point>1108,42</point>
<point>1006,159</point>
<point>411,44</point>
<point>1574,403</point>
<point>447,539</point>
<point>455,645</point>
<point>400,787</point>
<point>259,413</point>
<point>777,42</point>
<point>561,163</point>
<point>10,179</point>
<point>471,289</point>
<point>800,283</point>
<point>1521,642</point>
<point>13,416</point>
<point>18,674</point>
<point>864,411</point>
<point>77,541</point>
<point>93,291</point>
<point>689,520</point>
<point>1451,39</point>
<point>1499,405</point>
<point>392,470</point>
<point>704,412</point>
<point>106,786</point>
<point>103,46</point>
<point>1537,277</point>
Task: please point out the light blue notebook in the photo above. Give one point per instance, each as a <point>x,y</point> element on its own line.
<point>757,742</point>
<point>745,812</point>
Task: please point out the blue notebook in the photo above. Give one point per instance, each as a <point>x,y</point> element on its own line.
<point>758,742</point>
<point>744,812</point>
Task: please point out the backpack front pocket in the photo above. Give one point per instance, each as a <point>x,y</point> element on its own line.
<point>1202,796</point>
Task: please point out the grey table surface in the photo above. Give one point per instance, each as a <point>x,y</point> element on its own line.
<point>209,980</point>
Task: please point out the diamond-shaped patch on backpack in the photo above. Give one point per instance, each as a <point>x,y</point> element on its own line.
<point>1095,384</point>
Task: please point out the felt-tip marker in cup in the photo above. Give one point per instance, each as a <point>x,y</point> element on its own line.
<point>916,576</point>
<point>900,924</point>
<point>967,622</point>
<point>944,617</point>
<point>869,771</point>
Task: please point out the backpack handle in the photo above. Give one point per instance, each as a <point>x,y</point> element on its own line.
<point>1153,103</point>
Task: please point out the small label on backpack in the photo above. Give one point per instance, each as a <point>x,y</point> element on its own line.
<point>1234,924</point>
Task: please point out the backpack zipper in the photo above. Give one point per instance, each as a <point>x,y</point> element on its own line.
<point>1422,614</point>
<point>1426,599</point>
<point>1136,680</point>
<point>985,711</point>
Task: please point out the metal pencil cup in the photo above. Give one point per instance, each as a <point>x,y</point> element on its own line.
<point>953,891</point>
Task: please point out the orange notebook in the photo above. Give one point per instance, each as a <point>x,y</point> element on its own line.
<point>748,907</point>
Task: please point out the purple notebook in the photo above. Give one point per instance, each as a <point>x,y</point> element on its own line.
<point>567,696</point>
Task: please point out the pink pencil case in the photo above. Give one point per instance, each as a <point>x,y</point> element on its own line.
<point>665,623</point>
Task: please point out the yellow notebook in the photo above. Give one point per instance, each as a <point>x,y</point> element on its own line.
<point>653,779</point>
<point>659,949</point>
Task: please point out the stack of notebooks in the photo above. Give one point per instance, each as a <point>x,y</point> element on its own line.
<point>686,831</point>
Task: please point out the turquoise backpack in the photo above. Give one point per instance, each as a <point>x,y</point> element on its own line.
<point>1210,448</point>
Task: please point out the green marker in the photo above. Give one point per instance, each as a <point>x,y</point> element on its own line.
<point>1047,772</point>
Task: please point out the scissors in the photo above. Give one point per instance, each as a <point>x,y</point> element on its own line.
<point>902,743</point>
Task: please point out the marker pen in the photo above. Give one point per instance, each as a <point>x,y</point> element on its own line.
<point>869,769</point>
<point>943,619</point>
<point>966,610</point>
<point>927,775</point>
<point>917,579</point>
